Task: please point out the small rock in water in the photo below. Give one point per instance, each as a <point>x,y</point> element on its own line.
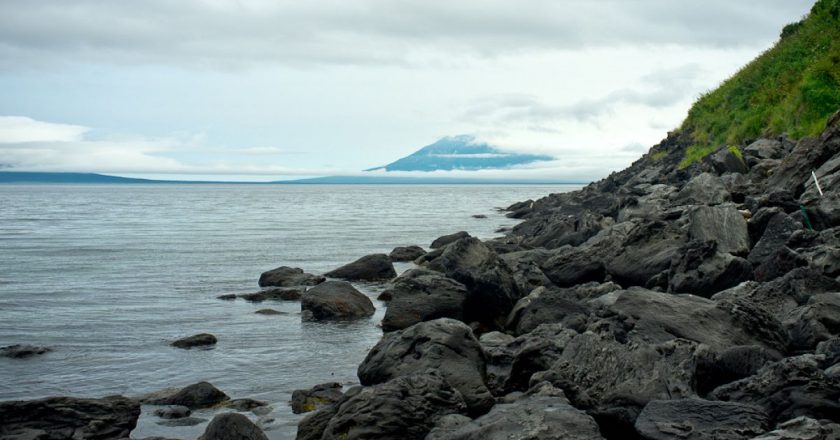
<point>373,267</point>
<point>479,216</point>
<point>199,340</point>
<point>316,397</point>
<point>245,404</point>
<point>186,421</point>
<point>198,395</point>
<point>232,426</point>
<point>173,412</point>
<point>19,351</point>
<point>227,297</point>
<point>276,294</point>
<point>285,276</point>
<point>335,300</point>
<point>269,312</point>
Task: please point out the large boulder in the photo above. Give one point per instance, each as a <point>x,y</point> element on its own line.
<point>766,149</point>
<point>701,270</point>
<point>544,414</point>
<point>704,189</point>
<point>816,321</point>
<point>790,388</point>
<point>444,345</point>
<point>406,407</point>
<point>285,276</point>
<point>543,306</point>
<point>423,295</point>
<point>195,396</point>
<point>492,290</point>
<point>809,154</point>
<point>696,419</point>
<point>406,253</point>
<point>647,255</point>
<point>722,224</point>
<point>447,239</point>
<point>728,160</point>
<point>68,418</point>
<point>232,426</point>
<point>658,317</point>
<point>372,267</point>
<point>776,233</point>
<point>525,266</point>
<point>569,266</point>
<point>335,300</point>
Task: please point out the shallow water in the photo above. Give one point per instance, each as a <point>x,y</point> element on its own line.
<point>108,275</point>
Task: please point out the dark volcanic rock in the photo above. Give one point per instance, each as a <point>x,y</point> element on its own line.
<point>722,224</point>
<point>18,351</point>
<point>816,321</point>
<point>316,397</point>
<point>544,414</point>
<point>269,312</point>
<point>543,306</point>
<point>766,149</point>
<point>647,253</point>
<point>373,267</point>
<point>406,253</point>
<point>803,428</point>
<point>60,418</point>
<point>423,295</point>
<point>695,419</point>
<point>705,189</point>
<point>525,265</point>
<point>725,161</point>
<point>184,421</point>
<point>779,263</point>
<point>444,345</point>
<point>173,412</point>
<point>195,396</point>
<point>199,340</point>
<point>406,407</point>
<point>701,270</point>
<point>787,389</point>
<point>335,300</point>
<point>732,364</point>
<point>232,426</point>
<point>285,276</point>
<point>778,230</point>
<point>275,294</point>
<point>447,239</point>
<point>492,290</point>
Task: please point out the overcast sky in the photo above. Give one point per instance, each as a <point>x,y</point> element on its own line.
<point>264,89</point>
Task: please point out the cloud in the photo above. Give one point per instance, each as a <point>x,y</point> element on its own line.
<point>22,129</point>
<point>241,33</point>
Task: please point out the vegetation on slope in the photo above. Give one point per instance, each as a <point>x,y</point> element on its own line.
<point>792,88</point>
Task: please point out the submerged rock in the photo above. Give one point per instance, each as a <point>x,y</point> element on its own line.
<point>199,340</point>
<point>20,351</point>
<point>316,397</point>
<point>173,412</point>
<point>373,267</point>
<point>285,276</point>
<point>335,300</point>
<point>275,294</point>
<point>69,418</point>
<point>195,396</point>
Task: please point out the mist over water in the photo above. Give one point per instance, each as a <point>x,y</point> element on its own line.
<point>108,276</point>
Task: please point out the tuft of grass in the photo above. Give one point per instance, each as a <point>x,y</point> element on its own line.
<point>736,151</point>
<point>656,156</point>
<point>791,88</point>
<point>695,153</point>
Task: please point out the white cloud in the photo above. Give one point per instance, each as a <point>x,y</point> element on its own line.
<point>17,129</point>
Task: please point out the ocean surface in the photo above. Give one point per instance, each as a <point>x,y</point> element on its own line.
<point>109,275</point>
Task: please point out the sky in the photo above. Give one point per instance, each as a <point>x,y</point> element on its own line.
<point>277,89</point>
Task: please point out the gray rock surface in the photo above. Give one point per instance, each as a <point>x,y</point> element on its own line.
<point>423,295</point>
<point>285,276</point>
<point>232,426</point>
<point>374,267</point>
<point>696,419</point>
<point>68,418</point>
<point>335,300</point>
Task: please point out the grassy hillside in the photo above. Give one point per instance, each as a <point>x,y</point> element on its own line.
<point>791,88</point>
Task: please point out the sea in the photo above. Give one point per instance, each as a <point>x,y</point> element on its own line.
<point>108,275</point>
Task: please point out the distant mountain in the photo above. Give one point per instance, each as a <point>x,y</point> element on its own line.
<point>32,177</point>
<point>399,180</point>
<point>460,153</point>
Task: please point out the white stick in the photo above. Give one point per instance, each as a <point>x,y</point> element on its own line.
<point>817,182</point>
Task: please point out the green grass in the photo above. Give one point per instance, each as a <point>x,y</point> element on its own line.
<point>792,88</point>
<point>736,151</point>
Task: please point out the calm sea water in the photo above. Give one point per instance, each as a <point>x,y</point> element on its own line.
<point>109,275</point>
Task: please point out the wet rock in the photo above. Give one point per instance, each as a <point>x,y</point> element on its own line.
<point>406,253</point>
<point>269,312</point>
<point>696,419</point>
<point>492,290</point>
<point>704,189</point>
<point>406,407</point>
<point>479,216</point>
<point>386,295</point>
<point>69,418</point>
<point>275,294</point>
<point>372,267</point>
<point>316,397</point>
<point>444,345</point>
<point>245,404</point>
<point>173,412</point>
<point>723,225</point>
<point>20,351</point>
<point>285,276</point>
<point>335,300</point>
<point>185,421</point>
<point>787,389</point>
<point>701,270</point>
<point>545,415</point>
<point>227,297</point>
<point>447,239</point>
<point>232,426</point>
<point>423,295</point>
<point>195,396</point>
<point>803,428</point>
<point>199,340</point>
